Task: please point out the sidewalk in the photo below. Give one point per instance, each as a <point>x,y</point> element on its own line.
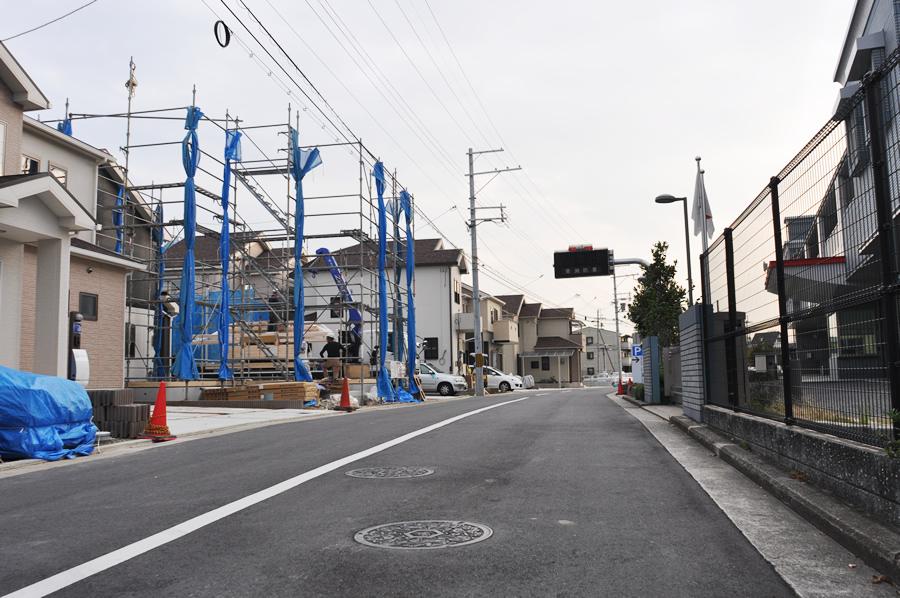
<point>185,421</point>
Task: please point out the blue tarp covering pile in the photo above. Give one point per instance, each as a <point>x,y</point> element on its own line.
<point>43,417</point>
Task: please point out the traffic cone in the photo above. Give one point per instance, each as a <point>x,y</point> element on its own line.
<point>157,429</point>
<point>621,390</point>
<point>345,397</point>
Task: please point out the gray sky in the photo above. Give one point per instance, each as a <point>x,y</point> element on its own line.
<point>605,104</point>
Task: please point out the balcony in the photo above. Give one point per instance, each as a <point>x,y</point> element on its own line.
<point>506,331</point>
<point>465,322</point>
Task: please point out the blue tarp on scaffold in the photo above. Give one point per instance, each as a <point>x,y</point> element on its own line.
<point>232,153</point>
<point>185,368</point>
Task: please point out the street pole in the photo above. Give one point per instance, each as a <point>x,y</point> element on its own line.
<point>476,297</point>
<point>473,223</point>
<point>687,244</point>
<point>599,338</point>
<point>616,309</point>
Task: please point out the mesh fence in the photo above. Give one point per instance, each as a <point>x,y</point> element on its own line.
<point>802,305</point>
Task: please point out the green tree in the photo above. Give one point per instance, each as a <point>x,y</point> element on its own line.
<point>658,300</point>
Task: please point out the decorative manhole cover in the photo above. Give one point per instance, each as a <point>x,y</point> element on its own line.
<point>416,535</point>
<point>390,472</point>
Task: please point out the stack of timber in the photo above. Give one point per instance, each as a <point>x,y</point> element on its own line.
<point>115,413</point>
<point>267,391</point>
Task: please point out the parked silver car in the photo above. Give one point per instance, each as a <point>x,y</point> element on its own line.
<point>434,380</point>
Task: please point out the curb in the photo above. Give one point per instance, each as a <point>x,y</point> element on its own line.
<point>877,545</point>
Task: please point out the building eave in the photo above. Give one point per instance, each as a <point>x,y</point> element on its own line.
<point>25,91</point>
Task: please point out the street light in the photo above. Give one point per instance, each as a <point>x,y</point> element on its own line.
<point>666,198</point>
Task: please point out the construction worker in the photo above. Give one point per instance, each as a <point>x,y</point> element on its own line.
<point>333,361</point>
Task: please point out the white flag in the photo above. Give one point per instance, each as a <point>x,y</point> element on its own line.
<point>700,213</point>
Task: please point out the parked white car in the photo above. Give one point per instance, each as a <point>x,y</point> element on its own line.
<point>434,380</point>
<point>500,381</point>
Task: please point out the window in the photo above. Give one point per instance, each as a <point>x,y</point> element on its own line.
<point>590,340</point>
<point>130,342</point>
<point>87,305</point>
<point>456,295</point>
<point>590,355</point>
<point>545,364</point>
<point>59,173</point>
<point>337,311</point>
<point>535,364</point>
<point>431,347</point>
<point>30,165</point>
<point>590,371</point>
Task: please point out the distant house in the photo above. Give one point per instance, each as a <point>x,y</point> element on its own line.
<point>599,351</point>
<point>438,296</point>
<point>552,344</point>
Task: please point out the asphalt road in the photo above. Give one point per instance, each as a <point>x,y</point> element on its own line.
<point>582,501</point>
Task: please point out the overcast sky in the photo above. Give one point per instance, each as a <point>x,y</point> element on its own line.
<point>604,104</point>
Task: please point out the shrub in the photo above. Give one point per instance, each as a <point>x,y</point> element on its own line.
<point>638,391</point>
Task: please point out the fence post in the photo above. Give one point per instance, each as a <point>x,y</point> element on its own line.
<point>882,189</point>
<point>782,302</point>
<point>704,332</point>
<point>730,352</point>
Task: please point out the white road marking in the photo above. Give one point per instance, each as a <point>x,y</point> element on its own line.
<point>102,563</point>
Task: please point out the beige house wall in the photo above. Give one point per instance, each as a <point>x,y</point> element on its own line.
<point>11,114</point>
<point>11,258</point>
<point>103,339</point>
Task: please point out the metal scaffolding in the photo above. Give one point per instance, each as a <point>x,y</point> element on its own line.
<point>344,215</point>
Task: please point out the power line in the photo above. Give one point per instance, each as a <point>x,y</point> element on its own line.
<point>60,18</point>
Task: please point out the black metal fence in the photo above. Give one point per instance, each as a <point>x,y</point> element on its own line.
<point>801,315</point>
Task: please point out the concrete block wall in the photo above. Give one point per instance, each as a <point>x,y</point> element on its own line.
<point>693,388</point>
<point>863,476</point>
<point>647,368</point>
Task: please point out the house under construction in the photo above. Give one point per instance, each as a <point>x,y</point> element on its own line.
<point>237,253</point>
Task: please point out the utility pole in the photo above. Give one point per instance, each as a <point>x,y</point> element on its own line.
<point>473,227</point>
<point>616,309</point>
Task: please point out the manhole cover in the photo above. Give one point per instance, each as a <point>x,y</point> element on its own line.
<point>390,472</point>
<point>415,535</point>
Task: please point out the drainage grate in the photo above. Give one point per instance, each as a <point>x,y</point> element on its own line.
<point>374,473</point>
<point>423,535</point>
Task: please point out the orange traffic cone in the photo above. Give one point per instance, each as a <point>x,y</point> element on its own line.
<point>157,429</point>
<point>345,397</point>
<point>621,390</point>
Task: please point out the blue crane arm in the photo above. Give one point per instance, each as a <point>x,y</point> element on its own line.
<point>343,289</point>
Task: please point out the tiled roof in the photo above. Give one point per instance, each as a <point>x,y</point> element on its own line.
<point>513,303</point>
<point>555,342</point>
<point>558,312</point>
<point>428,252</point>
<point>530,310</point>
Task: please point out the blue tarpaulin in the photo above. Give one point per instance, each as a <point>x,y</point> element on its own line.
<point>65,126</point>
<point>118,217</point>
<point>185,367</point>
<point>43,417</point>
<point>159,365</point>
<point>232,153</point>
<point>301,162</point>
<point>385,389</point>
<point>406,205</point>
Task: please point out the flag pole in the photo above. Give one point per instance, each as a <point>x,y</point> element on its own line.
<point>704,234</point>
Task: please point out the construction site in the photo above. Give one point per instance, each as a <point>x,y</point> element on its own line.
<point>251,267</point>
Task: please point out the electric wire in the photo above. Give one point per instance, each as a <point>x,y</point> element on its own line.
<point>60,18</point>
